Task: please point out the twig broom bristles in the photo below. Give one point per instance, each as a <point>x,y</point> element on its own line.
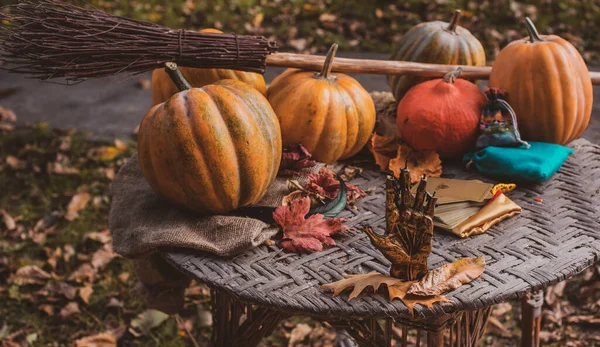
<point>50,39</point>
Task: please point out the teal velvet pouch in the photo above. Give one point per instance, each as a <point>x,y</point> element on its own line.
<point>534,164</point>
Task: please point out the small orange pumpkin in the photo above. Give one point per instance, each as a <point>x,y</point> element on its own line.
<point>441,115</point>
<point>548,85</point>
<point>163,87</point>
<point>211,149</point>
<point>331,115</point>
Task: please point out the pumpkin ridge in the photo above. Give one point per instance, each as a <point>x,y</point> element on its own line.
<point>146,165</point>
<point>559,55</point>
<point>344,101</point>
<point>202,122</point>
<point>243,130</point>
<point>324,128</point>
<point>265,124</point>
<point>356,91</point>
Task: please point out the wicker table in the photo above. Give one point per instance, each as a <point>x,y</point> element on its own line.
<point>548,243</point>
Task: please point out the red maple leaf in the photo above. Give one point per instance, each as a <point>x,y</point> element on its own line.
<point>326,184</point>
<point>295,157</point>
<point>305,235</point>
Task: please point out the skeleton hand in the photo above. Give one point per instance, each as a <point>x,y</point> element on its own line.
<point>409,231</point>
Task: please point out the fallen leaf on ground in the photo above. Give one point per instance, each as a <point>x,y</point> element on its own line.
<point>30,274</point>
<point>85,293</point>
<point>100,340</point>
<point>145,321</point>
<point>399,291</point>
<point>303,235</point>
<point>7,115</point>
<point>384,149</point>
<point>6,126</point>
<point>62,288</point>
<point>102,236</point>
<point>85,272</point>
<point>324,183</point>
<point>419,163</point>
<point>70,309</point>
<point>78,203</point>
<point>359,283</point>
<point>124,277</point>
<point>9,222</point>
<point>114,302</point>
<point>49,309</point>
<point>299,333</point>
<point>448,277</point>
<point>293,158</point>
<point>53,256</point>
<point>495,327</point>
<point>15,163</point>
<point>585,319</point>
<point>103,256</point>
<point>60,169</point>
<point>69,251</point>
<point>553,293</point>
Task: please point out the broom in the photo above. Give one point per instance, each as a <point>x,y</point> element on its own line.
<point>50,39</point>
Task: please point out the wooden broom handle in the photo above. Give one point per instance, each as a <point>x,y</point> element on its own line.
<point>383,67</point>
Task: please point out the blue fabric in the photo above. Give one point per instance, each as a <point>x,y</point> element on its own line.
<point>535,164</point>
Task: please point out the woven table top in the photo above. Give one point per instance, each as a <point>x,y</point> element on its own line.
<point>547,243</point>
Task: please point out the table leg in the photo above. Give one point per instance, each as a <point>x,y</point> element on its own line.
<point>239,324</point>
<point>460,329</point>
<point>531,318</point>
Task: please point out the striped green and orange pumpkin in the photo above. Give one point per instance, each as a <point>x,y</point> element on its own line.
<point>211,149</point>
<point>435,42</point>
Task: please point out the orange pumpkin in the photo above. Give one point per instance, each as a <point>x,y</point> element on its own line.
<point>331,115</point>
<point>211,149</point>
<point>441,115</point>
<point>163,88</point>
<point>548,85</point>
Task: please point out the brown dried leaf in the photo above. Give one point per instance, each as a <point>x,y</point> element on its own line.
<point>399,291</point>
<point>299,333</point>
<point>103,256</point>
<point>69,251</point>
<point>124,277</point>
<point>419,163</point>
<point>324,183</point>
<point>78,203</point>
<point>99,340</point>
<point>449,276</point>
<point>359,283</point>
<point>62,288</point>
<point>7,115</point>
<point>15,163</point>
<point>85,293</point>
<point>60,169</point>
<point>584,319</point>
<point>9,222</point>
<point>103,236</point>
<point>494,326</point>
<point>30,274</point>
<point>49,309</point>
<point>384,149</point>
<point>85,272</point>
<point>70,309</point>
<point>114,302</point>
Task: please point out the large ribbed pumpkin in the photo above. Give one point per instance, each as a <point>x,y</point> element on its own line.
<point>548,85</point>
<point>211,149</point>
<point>331,114</point>
<point>441,115</point>
<point>163,88</point>
<point>435,42</point>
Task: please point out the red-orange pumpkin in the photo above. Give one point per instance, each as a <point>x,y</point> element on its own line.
<point>211,149</point>
<point>548,85</point>
<point>441,115</point>
<point>163,88</point>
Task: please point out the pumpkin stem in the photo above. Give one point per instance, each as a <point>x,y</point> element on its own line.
<point>533,33</point>
<point>451,76</point>
<point>177,77</point>
<point>454,21</point>
<point>328,64</point>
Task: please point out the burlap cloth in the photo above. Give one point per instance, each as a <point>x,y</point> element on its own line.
<point>141,223</point>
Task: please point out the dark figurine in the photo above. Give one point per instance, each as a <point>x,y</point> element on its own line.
<point>409,231</point>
